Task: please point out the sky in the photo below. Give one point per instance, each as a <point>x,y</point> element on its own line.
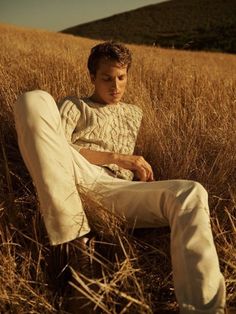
<point>56,15</point>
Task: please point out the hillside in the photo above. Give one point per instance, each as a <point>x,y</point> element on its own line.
<point>188,132</point>
<point>195,24</point>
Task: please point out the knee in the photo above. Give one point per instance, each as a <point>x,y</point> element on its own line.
<point>198,188</point>
<point>30,104</point>
<point>194,196</point>
<point>31,98</point>
<point>190,206</point>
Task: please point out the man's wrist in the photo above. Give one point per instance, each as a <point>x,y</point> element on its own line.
<point>115,158</point>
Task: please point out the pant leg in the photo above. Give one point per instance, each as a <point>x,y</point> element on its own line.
<point>199,284</point>
<point>50,161</point>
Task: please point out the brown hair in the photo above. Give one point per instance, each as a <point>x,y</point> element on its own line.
<point>109,50</point>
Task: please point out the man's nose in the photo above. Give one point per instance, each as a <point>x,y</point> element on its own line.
<point>115,83</point>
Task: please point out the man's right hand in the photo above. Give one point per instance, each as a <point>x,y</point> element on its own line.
<point>141,168</point>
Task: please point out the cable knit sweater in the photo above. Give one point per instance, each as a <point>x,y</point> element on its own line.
<point>108,128</point>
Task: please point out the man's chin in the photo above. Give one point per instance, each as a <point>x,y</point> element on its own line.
<point>114,99</point>
<point>110,99</point>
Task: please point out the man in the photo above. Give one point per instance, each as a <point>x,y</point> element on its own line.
<point>90,144</point>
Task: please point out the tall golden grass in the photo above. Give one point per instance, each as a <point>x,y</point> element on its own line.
<point>188,132</point>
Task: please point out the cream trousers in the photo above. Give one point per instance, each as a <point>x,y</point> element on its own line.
<point>57,169</point>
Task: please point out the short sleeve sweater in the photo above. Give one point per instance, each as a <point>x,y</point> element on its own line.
<point>108,128</point>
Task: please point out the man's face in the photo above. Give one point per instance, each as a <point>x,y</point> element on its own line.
<point>109,82</point>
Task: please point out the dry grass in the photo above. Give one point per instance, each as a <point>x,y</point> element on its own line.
<point>188,132</point>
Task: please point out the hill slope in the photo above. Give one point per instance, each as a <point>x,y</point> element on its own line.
<point>195,24</point>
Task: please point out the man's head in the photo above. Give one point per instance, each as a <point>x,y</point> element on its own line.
<point>109,51</point>
<point>108,66</point>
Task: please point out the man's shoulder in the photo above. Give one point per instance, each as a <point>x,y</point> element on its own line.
<point>72,101</point>
<point>135,108</point>
<point>69,99</point>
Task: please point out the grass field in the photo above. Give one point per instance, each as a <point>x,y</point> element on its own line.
<point>188,132</point>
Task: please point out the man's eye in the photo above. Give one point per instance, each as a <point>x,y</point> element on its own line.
<point>121,78</point>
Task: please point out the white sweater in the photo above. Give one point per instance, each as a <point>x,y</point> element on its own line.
<point>108,128</point>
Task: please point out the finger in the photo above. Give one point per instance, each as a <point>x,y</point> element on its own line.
<point>149,173</point>
<point>152,178</point>
<point>145,170</point>
<point>142,174</point>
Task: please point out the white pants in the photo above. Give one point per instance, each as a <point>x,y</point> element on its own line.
<point>57,169</point>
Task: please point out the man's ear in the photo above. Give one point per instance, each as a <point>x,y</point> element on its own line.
<point>92,78</point>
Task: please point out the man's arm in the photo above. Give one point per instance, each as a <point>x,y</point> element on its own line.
<point>137,164</point>
<point>69,118</point>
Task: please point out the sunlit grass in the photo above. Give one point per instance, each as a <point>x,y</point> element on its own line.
<point>188,132</point>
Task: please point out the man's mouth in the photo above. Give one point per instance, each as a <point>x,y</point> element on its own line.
<point>114,93</point>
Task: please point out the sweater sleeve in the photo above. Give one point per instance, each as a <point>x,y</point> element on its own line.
<point>70,115</point>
